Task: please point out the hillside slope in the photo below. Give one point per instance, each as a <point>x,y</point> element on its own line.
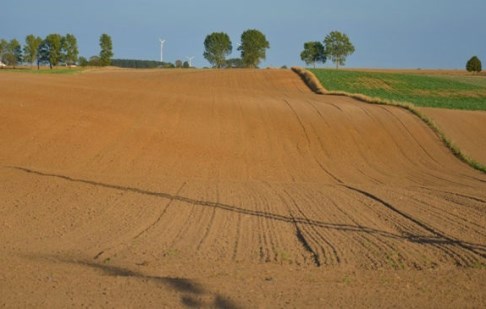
<point>150,179</point>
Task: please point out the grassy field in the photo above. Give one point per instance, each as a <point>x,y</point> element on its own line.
<point>44,70</point>
<point>446,91</point>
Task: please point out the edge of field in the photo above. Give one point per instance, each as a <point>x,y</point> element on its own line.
<point>316,86</point>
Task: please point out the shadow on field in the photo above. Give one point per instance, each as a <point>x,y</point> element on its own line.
<point>190,290</point>
<point>434,237</point>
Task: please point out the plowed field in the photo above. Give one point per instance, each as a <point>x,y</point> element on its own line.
<point>467,129</point>
<point>228,189</point>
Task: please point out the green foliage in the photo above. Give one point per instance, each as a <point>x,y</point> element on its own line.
<point>31,48</point>
<point>50,50</point>
<point>313,53</point>
<point>185,65</point>
<point>474,65</point>
<point>178,64</point>
<point>140,64</point>
<point>253,48</point>
<point>70,49</point>
<point>454,92</point>
<point>234,63</point>
<point>83,61</point>
<point>94,61</point>
<point>106,52</point>
<point>217,46</point>
<point>10,52</point>
<point>3,50</point>
<point>338,47</point>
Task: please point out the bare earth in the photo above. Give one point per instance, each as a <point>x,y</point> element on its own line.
<point>228,189</point>
<point>467,129</point>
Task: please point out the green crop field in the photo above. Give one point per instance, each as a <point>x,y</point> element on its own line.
<point>446,91</point>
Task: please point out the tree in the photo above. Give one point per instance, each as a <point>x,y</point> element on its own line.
<point>94,61</point>
<point>83,61</point>
<point>3,49</point>
<point>185,65</point>
<point>338,47</point>
<point>313,52</point>
<point>474,65</point>
<point>106,52</point>
<point>253,48</point>
<point>234,63</point>
<point>11,52</point>
<point>50,50</point>
<point>217,46</point>
<point>31,48</point>
<point>178,64</point>
<point>70,49</point>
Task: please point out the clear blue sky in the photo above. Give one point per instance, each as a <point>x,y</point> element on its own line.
<point>386,33</point>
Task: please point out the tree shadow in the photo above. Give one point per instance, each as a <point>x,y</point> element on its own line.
<point>189,289</point>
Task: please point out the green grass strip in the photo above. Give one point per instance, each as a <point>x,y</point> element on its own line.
<point>55,71</point>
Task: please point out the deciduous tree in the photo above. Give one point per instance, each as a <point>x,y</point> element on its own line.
<point>106,52</point>
<point>217,46</point>
<point>313,52</point>
<point>253,48</point>
<point>338,47</point>
<point>31,48</point>
<point>83,61</point>
<point>474,65</point>
<point>50,50</point>
<point>12,53</point>
<point>70,49</point>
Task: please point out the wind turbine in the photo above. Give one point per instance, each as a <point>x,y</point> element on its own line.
<point>161,50</point>
<point>190,61</point>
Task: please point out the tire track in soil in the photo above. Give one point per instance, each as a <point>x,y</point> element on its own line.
<point>147,228</point>
<point>439,236</point>
<point>408,230</point>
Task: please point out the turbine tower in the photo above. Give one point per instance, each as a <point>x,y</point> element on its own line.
<point>190,61</point>
<point>161,50</point>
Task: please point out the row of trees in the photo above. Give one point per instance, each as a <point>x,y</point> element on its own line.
<point>337,47</point>
<point>140,64</point>
<point>253,46</point>
<point>53,50</point>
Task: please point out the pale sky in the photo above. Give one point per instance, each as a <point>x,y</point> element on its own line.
<point>386,33</point>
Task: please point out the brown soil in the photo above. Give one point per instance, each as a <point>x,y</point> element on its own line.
<point>467,129</point>
<point>228,189</point>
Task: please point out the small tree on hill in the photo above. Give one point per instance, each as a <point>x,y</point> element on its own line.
<point>474,65</point>
<point>338,47</point>
<point>106,52</point>
<point>217,46</point>
<point>178,64</point>
<point>253,48</point>
<point>313,52</point>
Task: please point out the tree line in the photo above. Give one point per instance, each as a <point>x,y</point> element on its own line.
<point>54,49</point>
<point>253,46</point>
<point>337,47</point>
